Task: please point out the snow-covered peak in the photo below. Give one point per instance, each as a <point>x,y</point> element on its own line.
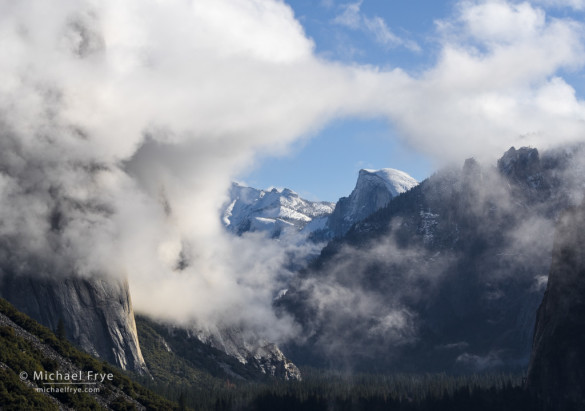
<point>373,190</point>
<point>396,181</point>
<point>276,210</point>
<point>272,210</point>
<point>284,191</point>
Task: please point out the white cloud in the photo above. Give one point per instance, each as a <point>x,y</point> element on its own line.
<point>498,22</point>
<point>122,125</point>
<point>495,84</point>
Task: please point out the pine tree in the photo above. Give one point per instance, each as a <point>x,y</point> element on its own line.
<point>182,402</point>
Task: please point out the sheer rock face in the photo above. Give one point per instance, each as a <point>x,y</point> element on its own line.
<point>557,366</point>
<point>96,312</point>
<point>373,190</point>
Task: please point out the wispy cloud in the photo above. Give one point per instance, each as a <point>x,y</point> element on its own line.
<point>352,17</point>
<point>327,3</point>
<point>575,4</point>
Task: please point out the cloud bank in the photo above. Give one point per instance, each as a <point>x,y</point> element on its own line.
<point>122,124</point>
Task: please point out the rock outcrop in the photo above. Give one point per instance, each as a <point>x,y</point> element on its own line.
<point>259,354</point>
<point>557,367</point>
<point>96,313</point>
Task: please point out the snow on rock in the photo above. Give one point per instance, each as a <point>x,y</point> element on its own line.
<point>396,181</point>
<point>429,221</point>
<point>282,211</point>
<point>273,211</point>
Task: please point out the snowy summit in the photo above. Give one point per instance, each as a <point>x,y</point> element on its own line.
<point>396,181</point>
<point>272,211</point>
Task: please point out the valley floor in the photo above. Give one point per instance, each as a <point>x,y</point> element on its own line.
<point>332,391</point>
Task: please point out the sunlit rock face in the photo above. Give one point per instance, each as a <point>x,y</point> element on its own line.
<point>96,312</point>
<point>557,366</point>
<point>263,356</point>
<point>373,190</point>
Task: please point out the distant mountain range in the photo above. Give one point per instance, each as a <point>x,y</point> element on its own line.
<point>282,213</point>
<point>276,212</point>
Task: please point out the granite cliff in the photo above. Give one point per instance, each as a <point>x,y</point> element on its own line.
<point>557,366</point>
<point>96,313</point>
<point>373,190</point>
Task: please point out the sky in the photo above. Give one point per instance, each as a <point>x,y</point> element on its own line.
<point>387,34</point>
<point>124,123</point>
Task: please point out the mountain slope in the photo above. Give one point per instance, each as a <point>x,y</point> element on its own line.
<point>177,355</point>
<point>446,277</point>
<point>27,348</point>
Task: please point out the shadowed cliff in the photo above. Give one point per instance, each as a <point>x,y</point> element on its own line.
<point>557,367</point>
